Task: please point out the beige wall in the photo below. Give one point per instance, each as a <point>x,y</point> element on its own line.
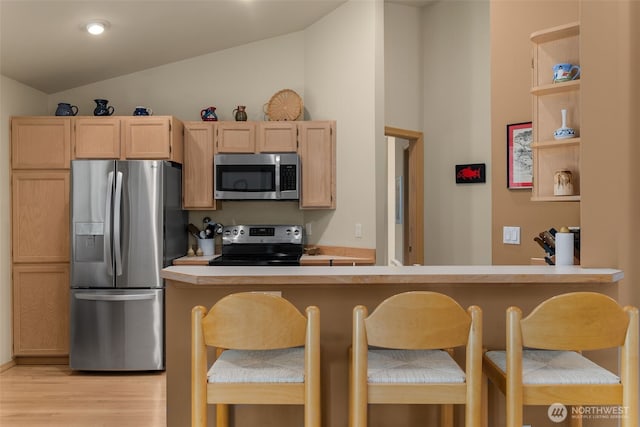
<point>15,99</point>
<point>340,83</point>
<point>331,65</point>
<point>437,81</point>
<point>512,22</point>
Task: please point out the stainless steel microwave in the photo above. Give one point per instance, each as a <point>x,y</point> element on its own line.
<point>274,176</point>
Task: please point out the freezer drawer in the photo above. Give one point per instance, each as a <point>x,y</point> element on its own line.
<point>117,330</point>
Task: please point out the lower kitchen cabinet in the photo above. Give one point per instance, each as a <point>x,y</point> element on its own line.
<point>41,309</point>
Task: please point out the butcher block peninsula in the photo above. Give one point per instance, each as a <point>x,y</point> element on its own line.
<point>336,291</point>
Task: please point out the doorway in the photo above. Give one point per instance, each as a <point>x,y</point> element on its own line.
<point>406,197</point>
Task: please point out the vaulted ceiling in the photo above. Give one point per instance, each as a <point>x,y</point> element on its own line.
<point>44,44</point>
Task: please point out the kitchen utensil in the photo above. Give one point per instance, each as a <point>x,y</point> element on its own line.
<point>193,230</point>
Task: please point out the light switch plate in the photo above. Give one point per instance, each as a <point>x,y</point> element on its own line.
<point>511,235</point>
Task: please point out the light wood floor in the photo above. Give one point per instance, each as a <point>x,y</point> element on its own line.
<point>54,396</point>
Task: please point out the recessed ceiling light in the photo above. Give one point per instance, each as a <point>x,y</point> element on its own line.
<point>97,27</point>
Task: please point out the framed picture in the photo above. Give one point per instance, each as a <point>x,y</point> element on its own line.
<point>519,155</point>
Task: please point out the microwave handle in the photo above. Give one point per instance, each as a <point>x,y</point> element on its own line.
<point>277,162</point>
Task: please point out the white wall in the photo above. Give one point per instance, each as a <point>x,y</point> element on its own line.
<point>437,81</point>
<point>16,99</point>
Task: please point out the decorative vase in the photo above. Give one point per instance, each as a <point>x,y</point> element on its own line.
<point>563,183</point>
<point>102,109</point>
<point>66,109</point>
<point>564,132</point>
<point>240,114</point>
<point>209,114</point>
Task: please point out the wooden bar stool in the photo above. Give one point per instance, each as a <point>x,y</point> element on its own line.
<point>267,352</point>
<point>410,364</point>
<point>543,364</point>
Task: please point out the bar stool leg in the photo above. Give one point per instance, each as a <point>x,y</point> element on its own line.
<point>574,421</point>
<point>446,415</point>
<point>222,415</point>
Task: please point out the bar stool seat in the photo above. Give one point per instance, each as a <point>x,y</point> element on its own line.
<point>413,366</point>
<point>258,366</point>
<point>556,367</point>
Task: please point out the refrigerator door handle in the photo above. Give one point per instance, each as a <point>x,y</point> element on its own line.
<point>116,224</point>
<point>107,228</point>
<point>111,297</point>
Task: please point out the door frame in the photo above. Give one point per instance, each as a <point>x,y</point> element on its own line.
<point>414,232</point>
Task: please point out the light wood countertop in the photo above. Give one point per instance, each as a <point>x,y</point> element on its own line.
<point>372,275</point>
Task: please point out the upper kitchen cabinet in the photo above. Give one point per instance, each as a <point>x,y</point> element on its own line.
<point>235,137</point>
<point>147,137</point>
<point>277,137</point>
<point>197,171</point>
<point>40,142</point>
<point>554,91</point>
<point>317,150</point>
<point>97,138</point>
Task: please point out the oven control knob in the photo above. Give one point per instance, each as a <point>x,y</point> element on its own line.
<point>235,231</point>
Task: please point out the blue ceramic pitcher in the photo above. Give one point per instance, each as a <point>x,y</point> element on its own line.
<point>102,109</point>
<point>65,109</point>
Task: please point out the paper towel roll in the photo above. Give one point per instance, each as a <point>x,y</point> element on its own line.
<point>564,248</point>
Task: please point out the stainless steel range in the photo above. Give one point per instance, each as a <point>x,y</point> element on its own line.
<point>263,245</point>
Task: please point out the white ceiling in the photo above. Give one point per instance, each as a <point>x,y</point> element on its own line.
<point>43,43</point>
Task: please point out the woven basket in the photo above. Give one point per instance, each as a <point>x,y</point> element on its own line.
<point>285,105</point>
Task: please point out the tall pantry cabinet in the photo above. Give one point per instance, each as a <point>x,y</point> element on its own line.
<point>42,149</point>
<point>40,169</point>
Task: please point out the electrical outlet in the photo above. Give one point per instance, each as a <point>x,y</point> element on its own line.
<point>358,230</point>
<point>307,229</point>
<point>511,235</point>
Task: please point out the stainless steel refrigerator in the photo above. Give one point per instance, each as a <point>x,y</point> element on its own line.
<point>127,223</point>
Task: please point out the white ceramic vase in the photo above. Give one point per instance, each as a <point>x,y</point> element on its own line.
<point>564,132</point>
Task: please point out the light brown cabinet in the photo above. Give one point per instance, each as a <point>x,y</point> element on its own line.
<point>40,216</point>
<point>140,137</point>
<point>153,138</point>
<point>235,137</point>
<point>555,45</point>
<point>97,138</point>
<point>317,150</point>
<point>277,137</point>
<point>197,171</point>
<point>40,142</point>
<point>256,137</point>
<point>40,162</point>
<point>41,309</point>
<point>314,141</point>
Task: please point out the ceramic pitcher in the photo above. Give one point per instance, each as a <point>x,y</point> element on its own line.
<point>102,109</point>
